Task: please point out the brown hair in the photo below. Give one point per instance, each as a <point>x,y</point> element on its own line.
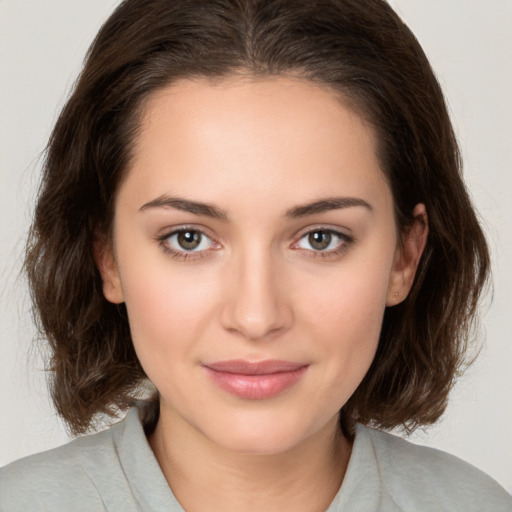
<point>358,48</point>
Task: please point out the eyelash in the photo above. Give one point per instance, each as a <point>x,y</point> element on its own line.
<point>345,242</point>
<point>163,242</point>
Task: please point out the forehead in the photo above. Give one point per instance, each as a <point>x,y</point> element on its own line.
<point>249,102</point>
<point>251,136</point>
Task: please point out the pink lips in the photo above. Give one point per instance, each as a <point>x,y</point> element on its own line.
<point>255,380</point>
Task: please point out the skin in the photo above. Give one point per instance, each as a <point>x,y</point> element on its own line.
<point>256,288</point>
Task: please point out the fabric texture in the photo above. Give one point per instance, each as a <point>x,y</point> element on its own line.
<point>116,471</point>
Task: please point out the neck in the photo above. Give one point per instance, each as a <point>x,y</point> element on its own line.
<point>205,476</point>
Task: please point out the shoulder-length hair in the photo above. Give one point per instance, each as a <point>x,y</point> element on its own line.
<point>363,52</point>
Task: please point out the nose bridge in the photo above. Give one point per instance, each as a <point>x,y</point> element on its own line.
<point>256,306</point>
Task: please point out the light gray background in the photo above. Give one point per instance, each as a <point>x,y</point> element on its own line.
<point>469,42</point>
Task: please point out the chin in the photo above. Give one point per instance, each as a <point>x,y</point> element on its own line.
<point>259,443</point>
<point>261,435</point>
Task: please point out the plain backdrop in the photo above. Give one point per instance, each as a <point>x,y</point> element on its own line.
<point>469,43</point>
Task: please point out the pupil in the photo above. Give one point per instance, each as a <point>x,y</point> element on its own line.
<point>189,239</point>
<point>320,240</point>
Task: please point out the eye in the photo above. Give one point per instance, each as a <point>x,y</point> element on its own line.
<point>323,240</point>
<point>188,240</point>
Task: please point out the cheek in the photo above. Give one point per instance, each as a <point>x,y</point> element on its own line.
<point>350,299</point>
<point>348,327</point>
<point>344,316</point>
<point>167,309</point>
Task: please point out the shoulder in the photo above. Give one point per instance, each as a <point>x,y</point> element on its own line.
<point>415,475</point>
<point>67,475</point>
<point>111,470</point>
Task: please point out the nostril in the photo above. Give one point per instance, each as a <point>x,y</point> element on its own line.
<point>256,319</point>
<point>257,306</point>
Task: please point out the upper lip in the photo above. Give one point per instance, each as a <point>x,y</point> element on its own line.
<point>242,367</point>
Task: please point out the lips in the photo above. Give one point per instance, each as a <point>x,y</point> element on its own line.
<point>255,380</point>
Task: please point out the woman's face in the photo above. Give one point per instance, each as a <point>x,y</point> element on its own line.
<point>255,248</point>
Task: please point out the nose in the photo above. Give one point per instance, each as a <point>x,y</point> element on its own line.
<point>257,304</point>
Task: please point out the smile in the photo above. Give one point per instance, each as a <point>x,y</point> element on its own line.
<point>255,380</point>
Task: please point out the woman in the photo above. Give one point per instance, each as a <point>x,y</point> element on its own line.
<point>255,206</point>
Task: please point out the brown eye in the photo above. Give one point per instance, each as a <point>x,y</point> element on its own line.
<point>189,240</point>
<point>320,240</point>
<point>324,241</point>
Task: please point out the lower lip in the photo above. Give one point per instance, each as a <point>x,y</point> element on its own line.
<point>256,387</point>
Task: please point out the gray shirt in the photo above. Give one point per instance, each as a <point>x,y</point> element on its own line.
<point>116,470</point>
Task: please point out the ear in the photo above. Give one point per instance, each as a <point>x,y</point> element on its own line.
<point>407,257</point>
<point>107,265</point>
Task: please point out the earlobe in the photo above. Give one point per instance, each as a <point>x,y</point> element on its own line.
<point>107,265</point>
<point>408,256</point>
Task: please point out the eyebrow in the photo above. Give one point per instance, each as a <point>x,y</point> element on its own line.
<point>325,205</point>
<point>186,205</point>
<point>208,210</point>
